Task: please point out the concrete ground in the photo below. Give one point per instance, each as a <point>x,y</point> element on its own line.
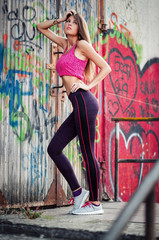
<point>57,223</point>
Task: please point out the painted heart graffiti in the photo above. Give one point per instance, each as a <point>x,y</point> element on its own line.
<point>123,78</point>
<point>148,91</point>
<point>113,107</point>
<point>134,144</point>
<point>129,92</point>
<point>130,83</point>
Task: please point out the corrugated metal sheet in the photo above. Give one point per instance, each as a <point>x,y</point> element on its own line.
<point>28,118</point>
<point>30,112</point>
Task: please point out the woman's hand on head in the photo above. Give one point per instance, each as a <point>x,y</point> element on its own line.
<point>79,85</point>
<point>70,12</point>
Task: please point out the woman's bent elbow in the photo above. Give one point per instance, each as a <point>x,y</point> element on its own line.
<point>38,26</point>
<point>107,70</point>
<point>110,69</point>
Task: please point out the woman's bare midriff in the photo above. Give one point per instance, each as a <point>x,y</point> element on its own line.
<point>68,81</point>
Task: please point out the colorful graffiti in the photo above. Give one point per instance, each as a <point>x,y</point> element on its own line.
<point>20,67</point>
<point>25,86</point>
<point>36,166</point>
<point>128,92</point>
<point>23,78</point>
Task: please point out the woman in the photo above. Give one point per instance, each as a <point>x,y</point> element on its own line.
<point>74,66</point>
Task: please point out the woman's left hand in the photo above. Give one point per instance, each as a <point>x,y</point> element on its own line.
<point>79,85</point>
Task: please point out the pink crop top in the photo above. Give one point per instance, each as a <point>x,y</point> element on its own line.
<point>69,65</point>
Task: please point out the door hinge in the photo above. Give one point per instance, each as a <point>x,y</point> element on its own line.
<point>102,26</point>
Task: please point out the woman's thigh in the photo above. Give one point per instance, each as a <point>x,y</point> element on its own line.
<point>66,132</point>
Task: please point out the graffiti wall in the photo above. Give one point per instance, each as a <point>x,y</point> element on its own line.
<point>27,117</point>
<point>131,90</point>
<point>30,114</point>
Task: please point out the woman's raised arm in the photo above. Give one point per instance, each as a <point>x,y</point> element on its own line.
<point>43,27</point>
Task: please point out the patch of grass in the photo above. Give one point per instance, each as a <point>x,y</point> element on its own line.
<point>30,214</point>
<point>47,217</point>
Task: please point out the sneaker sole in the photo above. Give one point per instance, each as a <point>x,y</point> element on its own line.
<point>99,212</point>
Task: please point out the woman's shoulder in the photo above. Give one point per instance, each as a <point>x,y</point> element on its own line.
<point>83,43</point>
<point>84,46</point>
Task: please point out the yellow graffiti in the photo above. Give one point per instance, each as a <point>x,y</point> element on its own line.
<point>97,131</point>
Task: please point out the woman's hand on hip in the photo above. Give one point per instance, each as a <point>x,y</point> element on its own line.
<point>79,85</point>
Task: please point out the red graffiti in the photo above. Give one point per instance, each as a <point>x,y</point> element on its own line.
<point>128,91</point>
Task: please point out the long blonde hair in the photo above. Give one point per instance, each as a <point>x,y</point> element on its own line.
<point>83,34</point>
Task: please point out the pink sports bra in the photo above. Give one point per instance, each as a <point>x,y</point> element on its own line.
<point>69,65</point>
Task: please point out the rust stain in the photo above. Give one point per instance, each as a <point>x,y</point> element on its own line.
<point>3,201</point>
<point>50,198</point>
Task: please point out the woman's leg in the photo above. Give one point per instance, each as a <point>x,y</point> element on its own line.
<point>62,137</point>
<point>85,118</point>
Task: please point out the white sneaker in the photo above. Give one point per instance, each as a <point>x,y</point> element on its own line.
<point>89,209</point>
<point>79,200</point>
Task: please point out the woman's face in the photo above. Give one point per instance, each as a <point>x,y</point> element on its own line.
<point>71,26</point>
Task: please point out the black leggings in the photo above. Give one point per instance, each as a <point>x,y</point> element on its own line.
<point>81,122</point>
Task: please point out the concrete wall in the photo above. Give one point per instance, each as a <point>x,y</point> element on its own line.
<point>132,49</point>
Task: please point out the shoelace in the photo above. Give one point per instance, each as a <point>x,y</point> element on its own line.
<point>71,201</point>
<point>87,204</point>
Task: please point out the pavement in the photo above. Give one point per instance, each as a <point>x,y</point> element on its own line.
<point>57,223</point>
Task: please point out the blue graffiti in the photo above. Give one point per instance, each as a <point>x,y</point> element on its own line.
<point>36,166</point>
<point>15,90</point>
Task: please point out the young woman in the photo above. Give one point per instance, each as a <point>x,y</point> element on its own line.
<point>75,65</point>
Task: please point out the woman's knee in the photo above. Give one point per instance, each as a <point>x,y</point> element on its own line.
<point>51,150</point>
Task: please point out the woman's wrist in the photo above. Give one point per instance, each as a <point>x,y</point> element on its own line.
<point>58,20</point>
<point>55,21</point>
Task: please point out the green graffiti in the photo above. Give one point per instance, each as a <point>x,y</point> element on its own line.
<point>124,40</point>
<point>35,5</point>
<point>113,34</point>
<point>131,43</point>
<point>105,41</point>
<point>43,100</point>
<point>118,37</point>
<point>24,129</point>
<point>139,49</point>
<point>55,28</point>
<point>92,28</point>
<point>36,81</point>
<point>94,32</point>
<point>1,115</point>
<point>22,61</point>
<point>41,76</point>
